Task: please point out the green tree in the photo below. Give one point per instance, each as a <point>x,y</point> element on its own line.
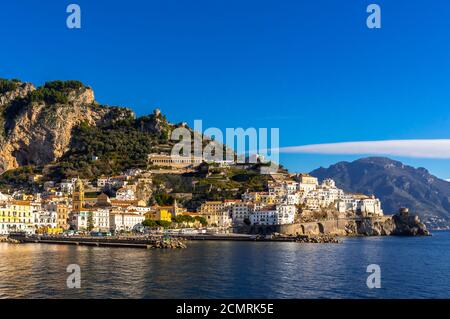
<point>164,223</point>
<point>183,219</point>
<point>201,220</point>
<point>150,223</point>
<point>164,199</point>
<point>90,222</point>
<point>7,85</point>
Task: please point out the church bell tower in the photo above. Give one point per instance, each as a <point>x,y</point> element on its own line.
<point>78,196</point>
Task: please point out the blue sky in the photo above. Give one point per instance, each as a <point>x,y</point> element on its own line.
<point>311,68</point>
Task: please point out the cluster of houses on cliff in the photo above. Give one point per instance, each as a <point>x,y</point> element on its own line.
<point>287,199</point>
<point>72,204</point>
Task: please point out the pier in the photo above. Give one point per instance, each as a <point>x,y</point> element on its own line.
<point>131,242</point>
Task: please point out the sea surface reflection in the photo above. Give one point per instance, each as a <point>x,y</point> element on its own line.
<point>410,268</point>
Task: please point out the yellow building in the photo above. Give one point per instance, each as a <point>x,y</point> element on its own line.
<point>266,198</point>
<point>213,207</point>
<point>160,213</point>
<point>16,216</point>
<point>78,196</point>
<point>26,197</point>
<point>164,214</point>
<point>260,197</point>
<point>62,219</point>
<point>173,210</point>
<point>217,213</point>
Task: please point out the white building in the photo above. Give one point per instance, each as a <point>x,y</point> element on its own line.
<point>328,196</point>
<point>133,171</point>
<point>97,219</point>
<point>4,198</point>
<point>66,187</point>
<point>45,218</point>
<point>273,215</point>
<point>125,194</point>
<point>124,221</point>
<point>322,196</point>
<point>79,220</point>
<point>286,214</point>
<point>307,183</point>
<point>102,181</point>
<point>290,187</point>
<point>329,183</point>
<point>100,218</point>
<point>292,199</point>
<point>346,204</point>
<point>118,181</point>
<point>360,204</point>
<point>141,210</point>
<point>240,212</point>
<point>224,219</point>
<point>312,203</point>
<point>369,207</point>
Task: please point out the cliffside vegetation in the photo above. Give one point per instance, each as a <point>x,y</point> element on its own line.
<point>18,178</point>
<point>55,92</point>
<point>217,184</point>
<point>110,149</point>
<point>8,85</point>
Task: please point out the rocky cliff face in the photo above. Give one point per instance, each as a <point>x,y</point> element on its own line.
<point>20,90</point>
<point>397,225</point>
<point>36,129</point>
<point>401,224</point>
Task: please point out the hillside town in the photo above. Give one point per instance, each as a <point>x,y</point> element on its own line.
<point>79,205</point>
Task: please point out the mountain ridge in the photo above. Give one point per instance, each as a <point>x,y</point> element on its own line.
<point>396,184</point>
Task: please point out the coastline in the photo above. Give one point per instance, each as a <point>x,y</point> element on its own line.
<point>325,231</point>
<point>401,224</point>
<point>234,268</point>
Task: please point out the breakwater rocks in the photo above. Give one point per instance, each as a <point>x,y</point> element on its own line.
<point>172,243</point>
<point>131,242</point>
<point>320,239</point>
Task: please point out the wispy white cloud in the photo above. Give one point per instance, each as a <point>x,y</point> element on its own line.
<point>432,148</point>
